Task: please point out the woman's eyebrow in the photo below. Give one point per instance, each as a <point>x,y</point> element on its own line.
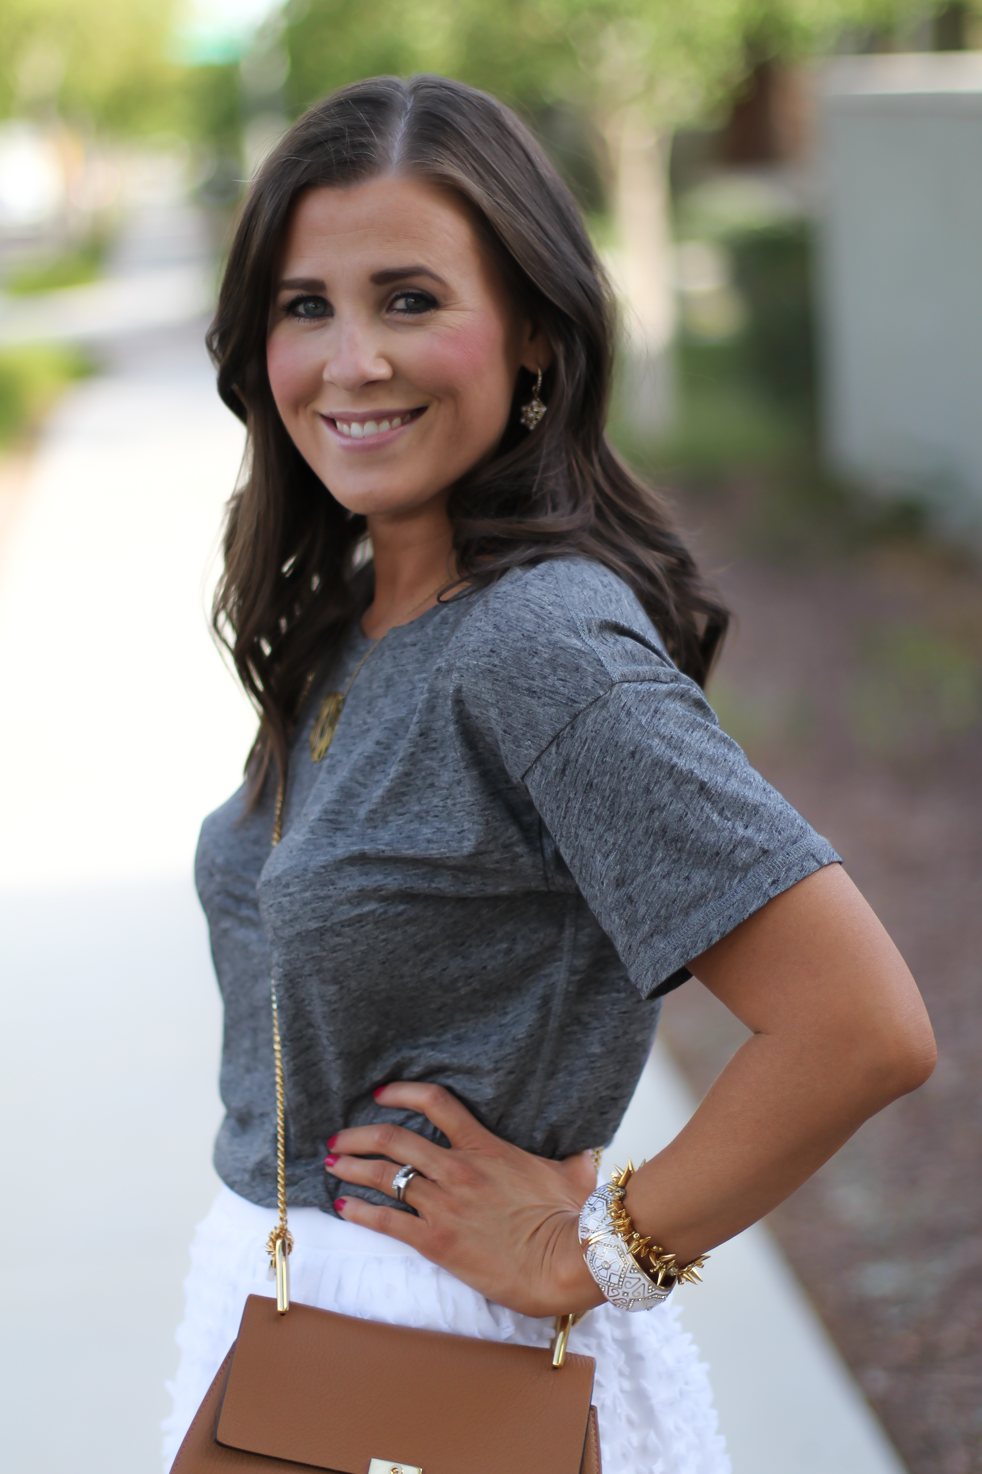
<point>399,273</point>
<point>378,279</point>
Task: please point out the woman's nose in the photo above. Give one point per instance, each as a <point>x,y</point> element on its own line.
<point>355,357</point>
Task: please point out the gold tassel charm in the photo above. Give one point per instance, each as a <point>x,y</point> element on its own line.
<point>326,724</point>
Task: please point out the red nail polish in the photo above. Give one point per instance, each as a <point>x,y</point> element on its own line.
<point>332,1141</point>
<point>329,1161</point>
<point>339,1204</point>
<point>378,1091</point>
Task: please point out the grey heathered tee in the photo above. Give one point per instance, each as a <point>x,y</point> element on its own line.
<point>527,824</point>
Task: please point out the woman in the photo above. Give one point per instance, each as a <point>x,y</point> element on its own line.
<point>510,823</point>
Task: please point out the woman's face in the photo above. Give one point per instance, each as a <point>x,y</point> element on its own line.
<point>393,348</point>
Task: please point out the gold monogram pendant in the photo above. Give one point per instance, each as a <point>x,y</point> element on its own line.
<point>324,728</point>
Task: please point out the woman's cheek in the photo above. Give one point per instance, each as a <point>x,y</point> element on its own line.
<point>292,369</point>
<point>463,362</point>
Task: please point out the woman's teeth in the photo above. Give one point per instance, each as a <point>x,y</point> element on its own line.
<point>360,430</point>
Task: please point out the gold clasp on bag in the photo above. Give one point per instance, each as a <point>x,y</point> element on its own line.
<point>282,1278</point>
<point>564,1324</point>
<point>383,1466</point>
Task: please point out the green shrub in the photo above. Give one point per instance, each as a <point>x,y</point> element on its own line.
<point>772,268</point>
<point>31,379</point>
<point>69,269</point>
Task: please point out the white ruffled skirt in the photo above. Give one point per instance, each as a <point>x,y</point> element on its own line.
<point>652,1393</point>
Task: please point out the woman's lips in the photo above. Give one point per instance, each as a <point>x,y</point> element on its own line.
<point>366,430</point>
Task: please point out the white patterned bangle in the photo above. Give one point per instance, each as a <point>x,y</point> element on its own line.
<point>631,1271</point>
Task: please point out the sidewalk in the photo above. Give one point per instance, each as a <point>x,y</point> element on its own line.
<point>122,733</point>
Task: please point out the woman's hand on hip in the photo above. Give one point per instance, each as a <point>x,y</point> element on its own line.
<point>500,1219</point>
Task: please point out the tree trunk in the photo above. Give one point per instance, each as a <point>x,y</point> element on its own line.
<point>641,265</point>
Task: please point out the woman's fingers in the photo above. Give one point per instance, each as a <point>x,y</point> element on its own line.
<point>405,1227</point>
<point>388,1140</point>
<point>439,1106</point>
<point>367,1173</point>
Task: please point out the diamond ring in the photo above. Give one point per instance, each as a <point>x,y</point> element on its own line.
<point>402,1180</point>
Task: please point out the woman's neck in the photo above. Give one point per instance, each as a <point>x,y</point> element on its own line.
<point>413,561</point>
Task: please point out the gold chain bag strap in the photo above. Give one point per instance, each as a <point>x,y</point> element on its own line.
<point>305,1390</point>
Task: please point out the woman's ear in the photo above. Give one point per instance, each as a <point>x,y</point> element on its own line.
<point>536,349</point>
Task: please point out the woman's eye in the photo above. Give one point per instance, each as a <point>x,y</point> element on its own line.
<point>410,304</point>
<point>309,307</point>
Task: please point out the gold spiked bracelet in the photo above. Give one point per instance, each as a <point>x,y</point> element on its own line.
<point>633,1271</point>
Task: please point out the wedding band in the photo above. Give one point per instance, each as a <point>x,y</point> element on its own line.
<point>402,1180</point>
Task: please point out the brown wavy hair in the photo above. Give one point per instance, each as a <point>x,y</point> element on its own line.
<point>287,590</point>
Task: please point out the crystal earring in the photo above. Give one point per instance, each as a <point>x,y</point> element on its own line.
<point>531,413</point>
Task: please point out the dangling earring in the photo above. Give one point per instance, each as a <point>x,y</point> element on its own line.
<point>531,413</point>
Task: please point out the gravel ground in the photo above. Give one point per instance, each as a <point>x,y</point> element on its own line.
<point>854,680</point>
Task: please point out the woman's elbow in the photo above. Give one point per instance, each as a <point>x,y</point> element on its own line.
<point>902,1055</point>
<point>916,1061</point>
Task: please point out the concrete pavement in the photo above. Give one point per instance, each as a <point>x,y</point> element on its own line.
<point>122,729</point>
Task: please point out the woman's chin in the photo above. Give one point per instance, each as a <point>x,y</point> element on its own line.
<point>381,501</point>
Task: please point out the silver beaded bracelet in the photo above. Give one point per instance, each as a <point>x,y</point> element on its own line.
<point>632,1272</point>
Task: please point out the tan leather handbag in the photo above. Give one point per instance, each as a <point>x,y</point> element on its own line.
<point>305,1390</point>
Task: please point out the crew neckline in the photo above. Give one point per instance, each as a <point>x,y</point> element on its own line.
<point>395,628</point>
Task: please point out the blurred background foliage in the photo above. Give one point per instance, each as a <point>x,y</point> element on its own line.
<point>31,378</point>
<point>101,64</point>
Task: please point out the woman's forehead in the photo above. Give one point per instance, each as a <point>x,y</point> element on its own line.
<point>373,219</point>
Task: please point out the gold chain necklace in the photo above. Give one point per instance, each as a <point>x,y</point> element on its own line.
<point>322,733</point>
<point>326,724</point>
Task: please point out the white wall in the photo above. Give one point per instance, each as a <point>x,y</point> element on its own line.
<point>900,277</point>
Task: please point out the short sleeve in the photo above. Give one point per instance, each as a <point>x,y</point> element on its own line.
<point>669,833</point>
<point>671,836</point>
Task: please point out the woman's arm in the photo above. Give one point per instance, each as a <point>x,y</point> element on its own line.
<point>839,1031</point>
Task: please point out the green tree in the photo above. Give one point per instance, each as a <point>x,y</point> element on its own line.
<point>103,63</point>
